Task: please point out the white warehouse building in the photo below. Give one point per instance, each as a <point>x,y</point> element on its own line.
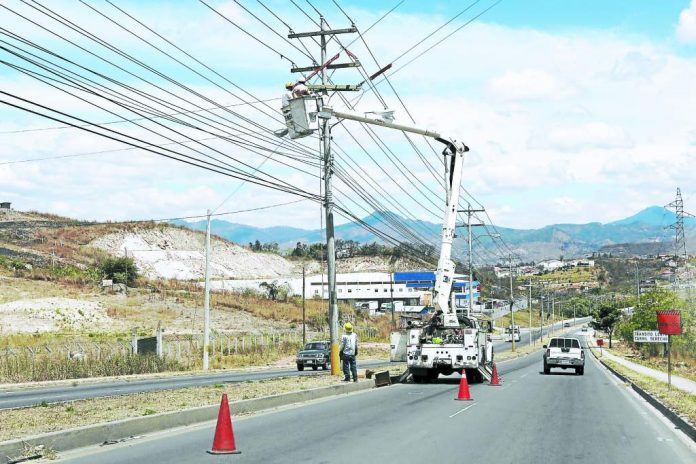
<point>411,288</point>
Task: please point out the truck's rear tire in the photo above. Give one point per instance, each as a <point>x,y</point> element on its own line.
<point>418,378</point>
<point>580,371</point>
<point>300,367</point>
<point>314,368</point>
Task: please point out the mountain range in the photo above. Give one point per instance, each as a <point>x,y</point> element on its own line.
<point>650,225</point>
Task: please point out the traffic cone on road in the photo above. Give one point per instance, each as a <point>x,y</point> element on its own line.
<point>464,394</point>
<point>223,443</point>
<point>495,380</point>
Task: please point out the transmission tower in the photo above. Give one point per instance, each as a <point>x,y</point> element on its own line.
<point>686,277</point>
<point>678,226</point>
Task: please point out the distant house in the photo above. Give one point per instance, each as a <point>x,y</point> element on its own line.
<point>550,265</point>
<point>5,205</point>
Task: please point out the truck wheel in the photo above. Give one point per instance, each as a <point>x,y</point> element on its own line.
<point>580,370</point>
<point>300,367</point>
<point>418,378</point>
<point>325,366</point>
<point>314,368</point>
<point>547,370</point>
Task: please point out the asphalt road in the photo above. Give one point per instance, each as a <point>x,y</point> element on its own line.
<point>32,396</point>
<point>531,418</point>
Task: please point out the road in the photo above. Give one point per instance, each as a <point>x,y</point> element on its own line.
<point>531,418</point>
<point>32,396</point>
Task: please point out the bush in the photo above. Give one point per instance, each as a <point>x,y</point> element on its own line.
<point>121,270</point>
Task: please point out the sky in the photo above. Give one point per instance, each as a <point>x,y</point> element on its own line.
<point>575,111</point>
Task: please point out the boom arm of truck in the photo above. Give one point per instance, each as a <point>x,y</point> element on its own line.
<point>454,160</point>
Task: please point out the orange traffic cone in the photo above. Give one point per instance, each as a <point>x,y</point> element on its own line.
<point>223,443</point>
<point>495,380</point>
<point>463,389</point>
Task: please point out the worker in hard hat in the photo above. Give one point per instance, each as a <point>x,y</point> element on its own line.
<point>287,95</point>
<point>300,89</point>
<point>348,352</point>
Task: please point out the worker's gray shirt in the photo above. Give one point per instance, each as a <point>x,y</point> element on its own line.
<point>349,344</point>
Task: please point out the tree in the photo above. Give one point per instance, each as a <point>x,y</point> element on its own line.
<point>121,270</point>
<point>272,289</point>
<point>606,318</point>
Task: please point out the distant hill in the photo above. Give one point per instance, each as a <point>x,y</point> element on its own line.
<point>569,240</point>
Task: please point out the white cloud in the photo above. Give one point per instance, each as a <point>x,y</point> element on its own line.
<point>686,28</point>
<point>528,84</point>
<point>557,123</point>
<point>577,138</point>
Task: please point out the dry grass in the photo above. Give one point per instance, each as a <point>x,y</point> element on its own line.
<point>679,401</point>
<point>522,319</point>
<point>17,423</point>
<point>25,367</point>
<point>571,276</point>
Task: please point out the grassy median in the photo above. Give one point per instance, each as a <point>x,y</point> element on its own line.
<point>42,418</point>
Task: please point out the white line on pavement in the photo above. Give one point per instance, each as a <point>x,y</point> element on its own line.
<point>462,410</point>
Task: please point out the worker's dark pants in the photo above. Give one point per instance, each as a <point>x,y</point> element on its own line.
<point>349,364</point>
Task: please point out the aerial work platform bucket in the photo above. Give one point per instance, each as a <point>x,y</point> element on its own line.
<point>300,116</point>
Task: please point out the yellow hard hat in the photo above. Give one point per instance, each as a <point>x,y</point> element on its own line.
<point>289,85</point>
<point>348,326</point>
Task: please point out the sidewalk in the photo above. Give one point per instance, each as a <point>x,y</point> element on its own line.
<point>678,382</point>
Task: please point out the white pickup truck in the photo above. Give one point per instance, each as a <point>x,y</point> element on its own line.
<point>565,353</point>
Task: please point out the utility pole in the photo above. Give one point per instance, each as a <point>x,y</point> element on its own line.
<point>469,225</point>
<point>512,313</point>
<point>327,156</point>
<point>637,288</point>
<point>125,250</point>
<point>529,307</point>
<point>391,292</point>
<point>541,323</point>
<point>304,333</point>
<point>206,298</point>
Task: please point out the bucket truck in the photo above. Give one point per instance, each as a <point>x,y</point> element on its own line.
<point>448,341</point>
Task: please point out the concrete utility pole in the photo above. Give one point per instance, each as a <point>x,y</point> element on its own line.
<point>529,308</point>
<point>512,313</point>
<point>206,298</point>
<point>541,323</point>
<point>469,225</point>
<point>325,136</point>
<point>391,292</point>
<point>304,333</point>
<point>327,156</point>
<point>637,287</point>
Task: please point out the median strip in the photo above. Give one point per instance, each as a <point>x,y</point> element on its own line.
<point>151,412</point>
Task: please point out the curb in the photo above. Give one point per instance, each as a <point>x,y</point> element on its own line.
<point>95,434</point>
<point>688,429</point>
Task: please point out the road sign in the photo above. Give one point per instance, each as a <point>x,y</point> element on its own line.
<point>669,322</point>
<point>600,342</point>
<point>649,336</point>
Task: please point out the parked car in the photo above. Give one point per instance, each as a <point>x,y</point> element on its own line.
<point>584,328</point>
<point>314,355</point>
<point>565,353</point>
<point>566,324</point>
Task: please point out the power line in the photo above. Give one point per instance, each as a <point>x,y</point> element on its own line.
<point>120,121</point>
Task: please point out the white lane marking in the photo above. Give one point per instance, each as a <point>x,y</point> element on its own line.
<point>524,375</point>
<point>462,410</point>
